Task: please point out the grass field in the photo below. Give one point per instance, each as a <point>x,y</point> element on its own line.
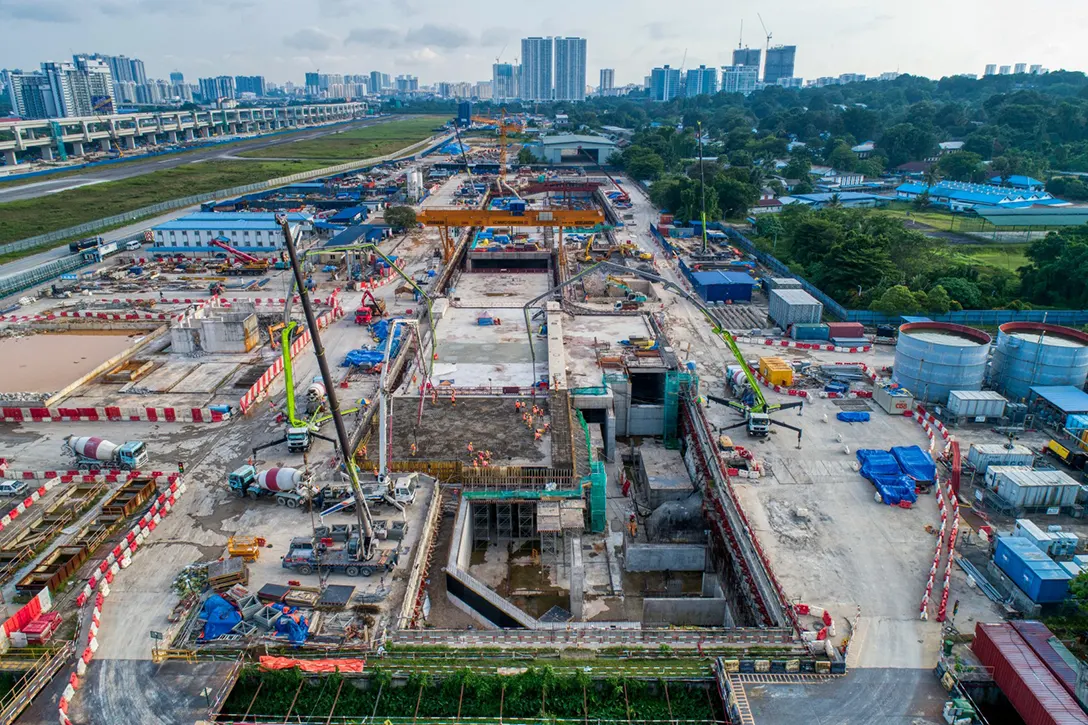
<point>360,143</point>
<point>1000,256</point>
<point>30,217</point>
<point>939,219</point>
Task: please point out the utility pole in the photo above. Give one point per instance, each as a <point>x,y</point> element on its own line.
<point>362,511</point>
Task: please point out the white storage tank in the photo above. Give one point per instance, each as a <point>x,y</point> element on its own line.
<point>1025,487</point>
<point>934,358</point>
<point>983,455</point>
<point>1034,353</point>
<point>976,404</point>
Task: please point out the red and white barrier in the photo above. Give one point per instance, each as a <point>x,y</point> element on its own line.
<point>770,342</point>
<point>273,372</point>
<point>111,413</point>
<point>97,588</point>
<point>778,388</point>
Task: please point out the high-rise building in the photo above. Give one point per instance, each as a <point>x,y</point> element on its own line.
<point>1005,70</point>
<point>991,69</point>
<point>212,90</point>
<point>739,78</point>
<point>504,81</point>
<point>570,69</point>
<point>312,81</point>
<point>138,73</point>
<point>1020,68</point>
<point>701,81</point>
<point>83,90</point>
<point>126,91</point>
<point>664,84</point>
<point>482,91</point>
<point>407,83</point>
<point>536,69</point>
<point>608,82</point>
<point>1036,69</point>
<point>749,57</point>
<point>250,84</point>
<point>99,80</point>
<point>177,77</point>
<point>779,64</point>
<point>31,95</point>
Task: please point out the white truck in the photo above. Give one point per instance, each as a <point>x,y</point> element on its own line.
<point>98,453</point>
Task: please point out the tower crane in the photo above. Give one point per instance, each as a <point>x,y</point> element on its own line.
<point>768,50</point>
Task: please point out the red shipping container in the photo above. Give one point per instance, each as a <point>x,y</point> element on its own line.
<point>1037,636</point>
<point>1038,696</point>
<point>845,329</point>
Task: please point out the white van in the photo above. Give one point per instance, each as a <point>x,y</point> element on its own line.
<point>132,245</point>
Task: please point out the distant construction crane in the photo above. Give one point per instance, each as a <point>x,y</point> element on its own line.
<point>768,50</point>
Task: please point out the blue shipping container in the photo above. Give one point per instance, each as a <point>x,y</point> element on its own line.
<point>1033,571</point>
<point>808,331</point>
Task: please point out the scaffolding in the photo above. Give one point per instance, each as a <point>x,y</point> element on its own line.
<point>481,523</point>
<point>676,385</point>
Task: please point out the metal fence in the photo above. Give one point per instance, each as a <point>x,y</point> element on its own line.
<point>165,206</point>
<point>42,273</point>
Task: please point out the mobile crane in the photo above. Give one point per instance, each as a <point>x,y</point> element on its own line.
<point>250,265</point>
<point>757,414</point>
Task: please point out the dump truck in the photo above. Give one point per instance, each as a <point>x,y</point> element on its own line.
<point>307,556</point>
<point>289,486</point>
<point>97,453</point>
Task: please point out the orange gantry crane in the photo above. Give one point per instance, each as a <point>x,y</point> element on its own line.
<point>505,125</point>
<point>561,218</point>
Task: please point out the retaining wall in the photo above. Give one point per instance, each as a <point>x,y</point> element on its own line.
<point>685,611</point>
<point>662,557</point>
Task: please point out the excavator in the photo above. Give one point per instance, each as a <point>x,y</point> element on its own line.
<point>250,265</point>
<point>369,309</point>
<point>632,296</point>
<point>757,413</point>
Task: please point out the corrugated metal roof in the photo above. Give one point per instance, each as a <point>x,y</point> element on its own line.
<point>294,216</point>
<point>1036,217</point>
<point>1066,398</point>
<point>575,140</point>
<point>714,277</point>
<point>978,395</point>
<point>795,296</point>
<point>212,225</point>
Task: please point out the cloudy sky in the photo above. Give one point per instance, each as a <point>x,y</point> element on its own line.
<point>442,40</point>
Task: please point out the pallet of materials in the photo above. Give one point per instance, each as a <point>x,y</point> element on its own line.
<point>223,575</point>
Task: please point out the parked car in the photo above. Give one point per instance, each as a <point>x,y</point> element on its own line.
<point>132,245</point>
<point>13,488</point>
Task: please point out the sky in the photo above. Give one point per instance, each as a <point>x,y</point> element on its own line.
<point>439,40</point>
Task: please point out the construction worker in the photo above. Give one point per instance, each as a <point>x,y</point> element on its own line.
<point>434,397</point>
<point>529,422</point>
<point>413,447</point>
<point>470,446</point>
<point>632,526</point>
<point>453,398</point>
<point>538,433</point>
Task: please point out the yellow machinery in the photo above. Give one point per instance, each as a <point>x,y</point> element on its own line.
<point>246,547</point>
<point>586,256</point>
<point>561,218</point>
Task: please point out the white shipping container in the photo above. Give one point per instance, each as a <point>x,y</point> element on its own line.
<point>1026,529</point>
<point>983,455</point>
<point>895,401</point>
<point>976,404</point>
<point>783,283</point>
<point>1025,487</point>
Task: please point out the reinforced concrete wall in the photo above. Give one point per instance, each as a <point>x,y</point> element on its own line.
<point>664,557</point>
<point>685,611</point>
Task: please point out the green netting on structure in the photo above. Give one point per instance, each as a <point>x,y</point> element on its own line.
<point>585,430</point>
<point>675,381</point>
<point>598,497</point>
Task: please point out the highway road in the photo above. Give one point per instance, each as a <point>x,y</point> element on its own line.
<point>115,172</point>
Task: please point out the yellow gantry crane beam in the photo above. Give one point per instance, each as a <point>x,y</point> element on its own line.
<point>562,218</point>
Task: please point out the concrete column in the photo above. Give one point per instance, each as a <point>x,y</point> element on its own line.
<point>577,580</point>
<point>189,136</point>
<point>130,142</point>
<point>172,136</point>
<point>206,132</point>
<point>47,153</point>
<point>153,139</point>
<point>86,131</point>
<point>77,148</point>
<point>104,144</point>
<point>9,157</point>
<point>609,435</point>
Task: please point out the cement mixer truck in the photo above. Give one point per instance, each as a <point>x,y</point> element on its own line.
<point>289,486</point>
<point>99,453</point>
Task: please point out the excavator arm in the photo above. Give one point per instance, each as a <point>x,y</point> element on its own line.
<point>237,253</point>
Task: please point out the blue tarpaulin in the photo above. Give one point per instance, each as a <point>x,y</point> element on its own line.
<point>221,617</point>
<point>292,624</point>
<point>362,358</point>
<point>848,417</point>
<point>915,462</point>
<point>883,470</point>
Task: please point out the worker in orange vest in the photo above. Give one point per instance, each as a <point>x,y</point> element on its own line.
<point>413,449</point>
<point>470,446</point>
<point>453,398</point>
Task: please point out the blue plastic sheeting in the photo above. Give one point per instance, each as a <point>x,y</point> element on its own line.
<point>362,358</point>
<point>847,417</point>
<point>915,462</point>
<point>221,617</point>
<point>292,624</point>
<point>887,477</point>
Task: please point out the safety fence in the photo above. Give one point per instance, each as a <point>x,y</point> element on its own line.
<point>97,588</point>
<point>479,478</point>
<point>165,206</point>
<point>26,688</point>
<point>590,634</point>
<point>42,273</point>
<point>113,413</point>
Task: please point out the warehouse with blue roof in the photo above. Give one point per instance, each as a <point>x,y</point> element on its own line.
<point>254,233</point>
<point>960,196</point>
<point>719,286</point>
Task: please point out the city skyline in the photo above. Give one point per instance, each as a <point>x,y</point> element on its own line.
<point>434,42</point>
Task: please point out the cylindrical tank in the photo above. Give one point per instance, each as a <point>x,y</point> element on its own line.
<point>1034,353</point>
<point>279,479</point>
<point>316,391</point>
<point>99,449</point>
<point>934,358</point>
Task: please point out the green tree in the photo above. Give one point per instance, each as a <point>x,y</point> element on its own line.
<point>921,202</point>
<point>938,301</point>
<point>642,163</point>
<point>961,166</point>
<point>962,290</point>
<point>906,142</point>
<point>734,197</point>
<point>798,167</point>
<point>400,218</point>
<point>842,158</point>
<point>802,187</point>
<point>895,301</point>
<point>525,156</point>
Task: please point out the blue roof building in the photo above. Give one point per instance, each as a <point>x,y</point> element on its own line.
<point>960,196</point>
<point>1017,181</point>
<point>718,286</point>
<point>193,234</point>
<point>848,199</point>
